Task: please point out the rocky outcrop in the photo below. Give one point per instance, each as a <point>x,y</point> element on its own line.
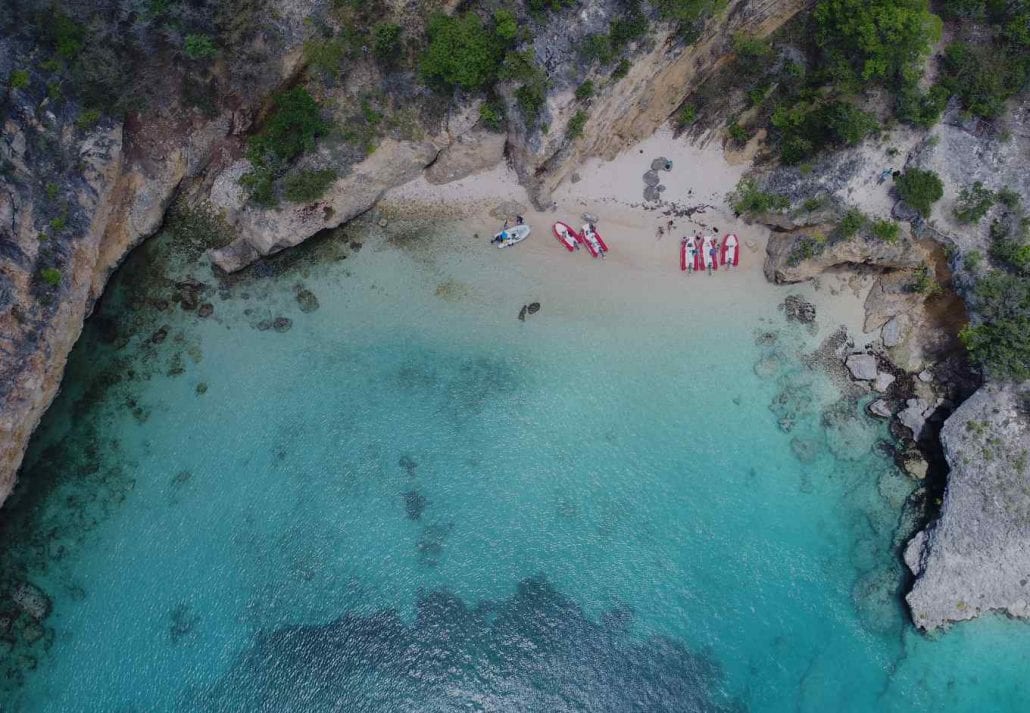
<point>262,231</point>
<point>976,556</point>
<point>800,256</point>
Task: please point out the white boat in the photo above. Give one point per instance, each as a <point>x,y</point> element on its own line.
<point>510,236</point>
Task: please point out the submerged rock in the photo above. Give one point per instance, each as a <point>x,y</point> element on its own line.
<point>798,309</point>
<point>32,600</point>
<point>883,381</point>
<point>880,408</point>
<point>306,299</point>
<point>282,324</point>
<point>533,308</point>
<point>206,310</point>
<point>414,504</point>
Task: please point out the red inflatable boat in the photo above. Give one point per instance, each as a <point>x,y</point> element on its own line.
<point>593,240</point>
<point>730,250</point>
<point>566,235</point>
<point>706,258</point>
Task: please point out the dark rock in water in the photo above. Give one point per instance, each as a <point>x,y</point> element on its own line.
<point>264,325</point>
<point>355,245</point>
<point>201,388</point>
<point>32,600</point>
<point>533,308</point>
<point>408,463</point>
<point>181,478</point>
<point>806,449</point>
<point>159,336</point>
<point>522,313</point>
<point>414,504</point>
<point>798,309</point>
<point>306,299</point>
<point>651,179</point>
<point>651,194</point>
<point>206,310</point>
<point>6,622</point>
<point>160,304</point>
<point>282,324</point>
<point>766,339</point>
<point>431,544</point>
<point>183,622</point>
<point>661,164</point>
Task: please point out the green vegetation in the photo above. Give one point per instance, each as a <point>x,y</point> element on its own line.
<point>806,129</point>
<point>687,115</point>
<point>1008,198</point>
<point>621,69</point>
<point>19,79</point>
<point>199,47</point>
<point>738,133</point>
<point>59,223</point>
<point>749,48</point>
<point>924,282</point>
<point>88,118</point>
<point>539,7</point>
<point>307,186</point>
<point>1010,243</point>
<point>585,90</point>
<point>886,230</point>
<point>52,191</point>
<point>973,203</point>
<point>386,42</point>
<point>531,98</point>
<point>852,222</point>
<point>461,52</point>
<point>575,128</point>
<point>598,47</point>
<point>1000,341</point>
<point>749,198</point>
<point>919,189</point>
<point>972,260</point>
<point>805,248</point>
<point>51,276</point>
<point>291,130</point>
<point>491,113</point>
<point>66,35</point>
<point>506,27</point>
<point>325,54</point>
<point>874,40</point>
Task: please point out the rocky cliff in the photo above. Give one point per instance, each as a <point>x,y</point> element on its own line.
<point>976,556</point>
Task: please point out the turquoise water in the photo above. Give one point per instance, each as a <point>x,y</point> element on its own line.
<point>411,500</point>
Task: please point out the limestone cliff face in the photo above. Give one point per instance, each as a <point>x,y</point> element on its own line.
<point>976,556</point>
<point>632,108</point>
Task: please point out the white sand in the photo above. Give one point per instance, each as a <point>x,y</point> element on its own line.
<point>644,238</point>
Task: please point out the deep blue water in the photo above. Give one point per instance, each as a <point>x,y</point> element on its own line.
<point>411,500</point>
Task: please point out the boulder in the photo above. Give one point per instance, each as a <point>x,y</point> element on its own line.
<point>976,556</point>
<point>798,309</point>
<point>862,366</point>
<point>913,416</point>
<point>916,466</point>
<point>31,600</point>
<point>880,408</point>
<point>894,331</point>
<point>883,381</point>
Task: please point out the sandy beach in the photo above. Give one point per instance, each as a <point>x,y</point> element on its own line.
<point>643,236</point>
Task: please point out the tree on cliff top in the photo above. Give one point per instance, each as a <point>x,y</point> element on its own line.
<point>869,40</point>
<point>461,52</point>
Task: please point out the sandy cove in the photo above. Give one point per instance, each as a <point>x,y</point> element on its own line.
<point>643,237</point>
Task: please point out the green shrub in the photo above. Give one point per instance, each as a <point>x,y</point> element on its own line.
<point>686,12</point>
<point>307,186</point>
<point>924,282</point>
<point>325,54</point>
<point>19,79</point>
<point>1009,198</point>
<point>67,35</point>
<point>1011,247</point>
<point>852,222</point>
<point>687,115</point>
<point>919,189</point>
<point>914,107</point>
<point>87,118</point>
<point>585,90</point>
<point>531,98</point>
<point>199,47</point>
<point>539,7</point>
<point>972,260</point>
<point>628,27</point>
<point>491,113</point>
<point>1000,341</point>
<point>52,190</point>
<point>295,124</point>
<point>260,184</point>
<point>806,247</point>
<point>386,42</point>
<point>750,49</point>
<point>886,230</point>
<point>598,47</point>
<point>984,77</point>
<point>973,203</point>
<point>808,129</point>
<point>738,133</point>
<point>621,69</point>
<point>59,223</point>
<point>506,27</point>
<point>749,198</point>
<point>874,40</point>
<point>460,52</point>
<point>575,128</point>
<point>51,276</point>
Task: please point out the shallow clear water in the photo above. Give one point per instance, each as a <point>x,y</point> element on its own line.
<point>412,500</point>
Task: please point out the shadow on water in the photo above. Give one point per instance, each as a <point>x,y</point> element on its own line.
<point>536,650</point>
